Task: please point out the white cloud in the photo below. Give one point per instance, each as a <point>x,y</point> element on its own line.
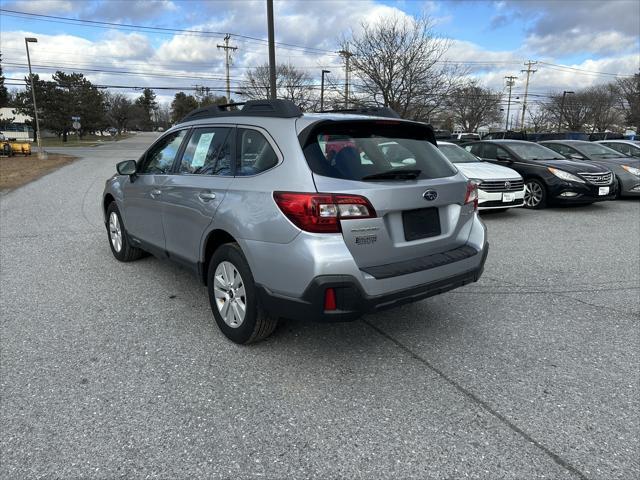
<point>572,27</point>
<point>316,25</point>
<point>42,6</point>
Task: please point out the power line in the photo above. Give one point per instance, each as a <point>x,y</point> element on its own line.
<point>584,71</point>
<point>160,30</point>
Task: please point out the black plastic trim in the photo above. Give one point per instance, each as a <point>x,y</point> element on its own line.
<point>370,111</point>
<point>253,108</point>
<point>518,202</point>
<point>351,300</point>
<point>420,264</point>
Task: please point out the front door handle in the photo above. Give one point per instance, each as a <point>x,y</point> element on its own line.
<point>207,196</point>
<point>155,193</point>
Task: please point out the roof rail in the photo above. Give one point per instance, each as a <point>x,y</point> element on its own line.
<point>251,108</point>
<point>373,111</point>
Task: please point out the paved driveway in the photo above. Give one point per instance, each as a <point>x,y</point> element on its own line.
<point>113,370</point>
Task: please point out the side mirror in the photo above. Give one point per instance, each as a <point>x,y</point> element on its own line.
<point>503,158</point>
<point>576,156</point>
<point>128,167</point>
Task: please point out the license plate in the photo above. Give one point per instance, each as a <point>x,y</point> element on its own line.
<point>603,191</point>
<point>508,197</point>
<point>421,223</point>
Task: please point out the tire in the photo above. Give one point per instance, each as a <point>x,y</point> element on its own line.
<point>537,199</point>
<point>234,287</point>
<point>119,243</point>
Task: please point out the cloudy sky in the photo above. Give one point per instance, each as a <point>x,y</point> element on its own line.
<point>137,43</point>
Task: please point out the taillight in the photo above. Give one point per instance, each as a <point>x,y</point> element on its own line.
<point>472,195</point>
<point>322,212</point>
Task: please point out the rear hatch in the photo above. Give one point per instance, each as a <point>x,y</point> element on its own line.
<point>417,194</point>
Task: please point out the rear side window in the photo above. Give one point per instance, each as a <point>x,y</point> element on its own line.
<point>374,150</point>
<point>255,154</point>
<point>208,152</point>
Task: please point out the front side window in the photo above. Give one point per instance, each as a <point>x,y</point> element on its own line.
<point>374,150</point>
<point>490,151</point>
<point>208,152</point>
<point>561,149</point>
<point>159,159</point>
<point>254,153</point>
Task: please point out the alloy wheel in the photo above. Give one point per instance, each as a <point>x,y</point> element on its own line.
<point>115,232</point>
<point>533,194</point>
<point>230,294</point>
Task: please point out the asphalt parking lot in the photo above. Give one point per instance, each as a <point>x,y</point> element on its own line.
<point>113,370</point>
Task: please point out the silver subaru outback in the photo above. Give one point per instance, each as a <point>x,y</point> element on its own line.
<point>321,216</point>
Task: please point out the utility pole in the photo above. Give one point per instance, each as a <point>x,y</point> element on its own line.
<point>564,94</point>
<point>272,51</point>
<point>226,49</point>
<point>511,80</point>
<point>528,71</point>
<point>41,154</point>
<point>322,90</point>
<point>347,56</point>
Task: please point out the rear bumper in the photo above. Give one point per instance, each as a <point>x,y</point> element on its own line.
<point>351,300</point>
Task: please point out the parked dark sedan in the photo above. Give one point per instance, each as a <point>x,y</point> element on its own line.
<point>625,168</point>
<point>549,177</point>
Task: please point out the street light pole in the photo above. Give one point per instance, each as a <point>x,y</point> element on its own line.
<point>322,90</point>
<point>27,41</point>
<point>564,94</point>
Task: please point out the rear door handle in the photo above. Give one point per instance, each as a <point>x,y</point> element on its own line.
<point>155,193</point>
<point>207,196</point>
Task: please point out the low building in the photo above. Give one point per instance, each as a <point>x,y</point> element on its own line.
<point>18,127</point>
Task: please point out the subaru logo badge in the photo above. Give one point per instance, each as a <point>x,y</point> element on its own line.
<point>507,185</point>
<point>430,195</point>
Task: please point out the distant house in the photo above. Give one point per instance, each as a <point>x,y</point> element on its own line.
<point>18,128</point>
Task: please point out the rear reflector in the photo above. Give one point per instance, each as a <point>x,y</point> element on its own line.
<point>472,195</point>
<point>322,212</point>
<point>330,300</point>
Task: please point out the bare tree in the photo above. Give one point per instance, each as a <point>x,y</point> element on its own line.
<point>628,90</point>
<point>474,106</point>
<point>291,84</point>
<point>601,101</point>
<point>573,113</point>
<point>590,109</point>
<point>398,63</point>
<point>539,119</point>
<point>120,110</point>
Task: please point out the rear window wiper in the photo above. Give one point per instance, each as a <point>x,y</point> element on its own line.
<point>394,174</point>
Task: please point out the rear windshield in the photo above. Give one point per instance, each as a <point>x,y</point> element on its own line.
<point>458,154</point>
<point>374,150</point>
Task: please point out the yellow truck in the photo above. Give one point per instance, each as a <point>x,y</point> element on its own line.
<point>10,147</point>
